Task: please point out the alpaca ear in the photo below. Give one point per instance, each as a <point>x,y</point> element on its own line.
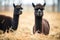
<point>33,4</point>
<point>13,4</point>
<point>20,4</point>
<point>44,4</point>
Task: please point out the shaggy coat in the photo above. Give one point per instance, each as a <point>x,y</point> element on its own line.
<point>41,25</point>
<point>7,22</point>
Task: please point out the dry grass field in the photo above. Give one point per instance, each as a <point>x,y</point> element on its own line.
<point>26,23</point>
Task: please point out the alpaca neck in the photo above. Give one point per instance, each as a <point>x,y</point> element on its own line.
<point>15,20</point>
<point>38,22</point>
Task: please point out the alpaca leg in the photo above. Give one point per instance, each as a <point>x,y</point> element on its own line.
<point>34,30</point>
<point>7,29</point>
<point>4,29</point>
<point>11,30</point>
<point>39,30</point>
<point>46,27</point>
<point>46,30</point>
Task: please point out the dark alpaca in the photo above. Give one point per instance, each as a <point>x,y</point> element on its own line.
<point>7,22</point>
<point>41,25</point>
<point>17,12</point>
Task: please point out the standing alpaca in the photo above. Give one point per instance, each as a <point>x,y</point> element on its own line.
<point>41,25</point>
<point>7,22</point>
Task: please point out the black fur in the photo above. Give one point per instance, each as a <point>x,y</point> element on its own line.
<point>7,22</point>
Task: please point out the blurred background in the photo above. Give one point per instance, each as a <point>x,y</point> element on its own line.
<point>51,5</point>
<point>27,20</point>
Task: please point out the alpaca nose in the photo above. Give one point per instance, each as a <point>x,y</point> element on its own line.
<point>39,11</point>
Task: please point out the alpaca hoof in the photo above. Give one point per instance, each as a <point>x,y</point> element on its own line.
<point>39,31</point>
<point>33,32</point>
<point>11,30</point>
<point>7,31</point>
<point>46,33</point>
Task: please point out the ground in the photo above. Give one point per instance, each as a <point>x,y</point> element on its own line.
<point>26,23</point>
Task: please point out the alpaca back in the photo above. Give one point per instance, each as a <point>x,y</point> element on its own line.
<point>5,22</point>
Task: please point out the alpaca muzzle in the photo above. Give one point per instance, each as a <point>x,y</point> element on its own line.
<point>20,12</point>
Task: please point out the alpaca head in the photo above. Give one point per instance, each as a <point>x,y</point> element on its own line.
<point>38,9</point>
<point>17,9</point>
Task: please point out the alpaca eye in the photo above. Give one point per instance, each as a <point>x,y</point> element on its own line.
<point>36,9</point>
<point>18,8</point>
<point>42,9</point>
